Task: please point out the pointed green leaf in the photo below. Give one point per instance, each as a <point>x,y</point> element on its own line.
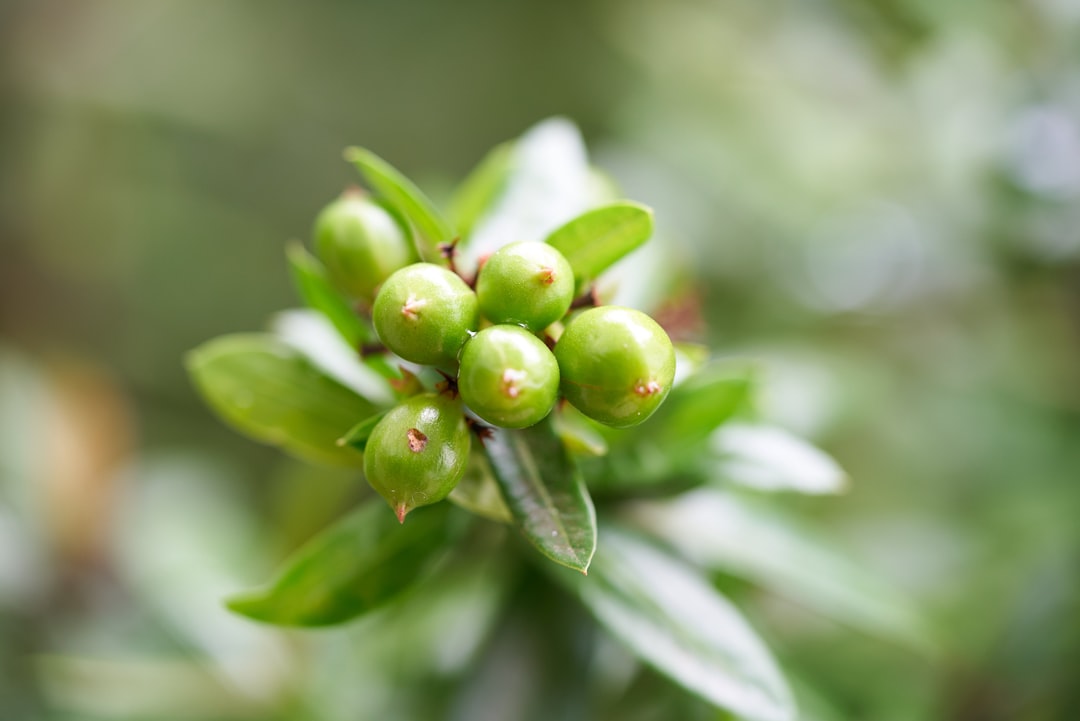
<point>356,565</point>
<point>726,534</point>
<point>549,183</point>
<point>319,294</point>
<point>578,432</point>
<point>595,240</point>
<point>768,458</point>
<point>479,493</point>
<point>674,620</point>
<point>272,393</point>
<point>358,435</point>
<point>403,195</point>
<point>478,192</point>
<point>700,404</point>
<point>545,492</point>
<point>309,332</point>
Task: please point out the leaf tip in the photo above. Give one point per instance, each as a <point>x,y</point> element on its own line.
<point>193,359</point>
<point>244,604</point>
<point>401,510</point>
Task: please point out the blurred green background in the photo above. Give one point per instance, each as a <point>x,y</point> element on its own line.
<point>879,200</point>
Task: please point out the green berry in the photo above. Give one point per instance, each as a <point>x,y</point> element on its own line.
<point>361,244</point>
<point>417,453</point>
<point>425,313</point>
<point>617,365</point>
<point>529,284</point>
<point>508,377</point>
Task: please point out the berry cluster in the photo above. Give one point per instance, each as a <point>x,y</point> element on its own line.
<point>510,342</point>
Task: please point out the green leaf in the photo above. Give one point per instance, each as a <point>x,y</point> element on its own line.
<point>272,393</point>
<point>483,186</point>
<point>699,405</point>
<point>768,458</point>
<point>356,565</point>
<point>545,492</point>
<point>595,240</point>
<point>549,183</point>
<point>405,198</point>
<point>724,533</point>
<point>478,492</point>
<point>578,432</point>
<point>310,332</point>
<point>674,620</point>
<point>358,435</point>
<point>319,294</point>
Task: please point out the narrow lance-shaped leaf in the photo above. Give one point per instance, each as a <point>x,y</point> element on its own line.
<point>403,195</point>
<point>545,492</point>
<point>358,435</point>
<point>353,567</point>
<point>478,192</point>
<point>478,492</point>
<point>726,534</point>
<point>272,393</point>
<point>309,332</point>
<point>579,433</point>
<point>699,405</point>
<point>768,458</point>
<point>549,182</point>
<point>318,293</point>
<point>674,620</point>
<point>595,240</point>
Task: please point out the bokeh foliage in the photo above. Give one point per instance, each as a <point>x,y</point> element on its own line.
<point>878,203</point>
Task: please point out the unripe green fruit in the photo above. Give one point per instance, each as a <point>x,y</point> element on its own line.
<point>417,453</point>
<point>529,284</point>
<point>361,244</point>
<point>425,313</point>
<point>508,377</point>
<point>617,365</point>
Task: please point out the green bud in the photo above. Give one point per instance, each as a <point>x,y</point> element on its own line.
<point>425,313</point>
<point>418,452</point>
<point>508,377</point>
<point>617,365</point>
<point>529,284</point>
<point>361,243</point>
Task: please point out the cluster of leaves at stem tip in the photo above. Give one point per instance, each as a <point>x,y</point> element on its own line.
<point>447,362</point>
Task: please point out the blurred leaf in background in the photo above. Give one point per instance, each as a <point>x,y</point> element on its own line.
<point>876,202</point>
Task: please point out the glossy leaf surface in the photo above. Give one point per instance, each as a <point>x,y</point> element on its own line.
<point>309,332</point>
<point>478,193</point>
<point>700,404</point>
<point>549,183</point>
<point>724,533</point>
<point>545,492</point>
<point>595,240</point>
<point>357,436</point>
<point>769,458</point>
<point>272,393</point>
<point>403,195</point>
<point>313,284</point>
<point>356,565</point>
<point>478,492</point>
<point>674,620</point>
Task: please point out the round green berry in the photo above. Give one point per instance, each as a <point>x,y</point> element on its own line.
<point>617,365</point>
<point>361,243</point>
<point>425,313</point>
<point>417,453</point>
<point>527,283</point>
<point>508,377</point>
